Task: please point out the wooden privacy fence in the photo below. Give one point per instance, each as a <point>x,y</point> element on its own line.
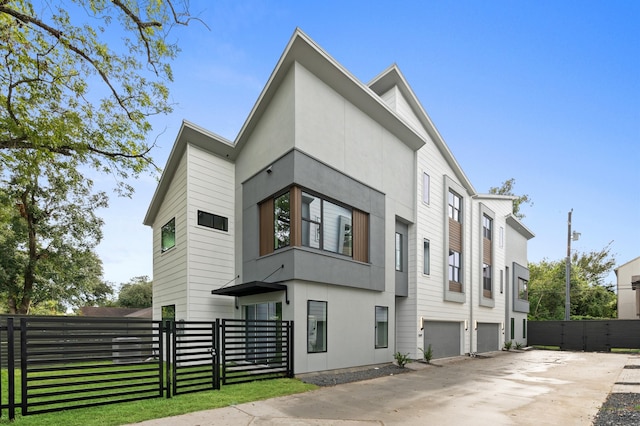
<point>60,363</point>
<point>587,335</point>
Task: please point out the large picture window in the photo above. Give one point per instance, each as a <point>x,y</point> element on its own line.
<point>523,293</point>
<point>168,235</point>
<point>298,218</point>
<point>326,225</point>
<point>382,327</point>
<point>316,326</point>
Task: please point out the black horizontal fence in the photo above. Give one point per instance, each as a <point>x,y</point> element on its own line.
<point>195,356</point>
<point>255,350</point>
<point>60,363</point>
<point>587,335</point>
<point>82,362</point>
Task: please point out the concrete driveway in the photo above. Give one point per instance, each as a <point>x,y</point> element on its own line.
<point>506,388</point>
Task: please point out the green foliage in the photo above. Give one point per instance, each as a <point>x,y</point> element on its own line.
<point>519,345</point>
<point>507,189</point>
<point>49,230</point>
<point>401,359</point>
<point>591,297</point>
<point>427,355</point>
<point>137,293</point>
<point>68,87</point>
<point>507,345</point>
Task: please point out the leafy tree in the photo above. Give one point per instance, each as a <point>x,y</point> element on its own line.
<point>72,97</point>
<point>49,230</point>
<point>507,189</point>
<point>137,293</point>
<point>591,297</point>
<point>68,87</point>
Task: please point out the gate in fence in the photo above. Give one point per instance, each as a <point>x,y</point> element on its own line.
<point>60,363</point>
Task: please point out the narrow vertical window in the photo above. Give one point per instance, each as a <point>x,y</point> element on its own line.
<point>427,257</point>
<point>168,235</point>
<point>501,237</point>
<point>486,280</point>
<point>282,221</point>
<point>454,206</point>
<point>486,227</point>
<point>524,328</point>
<point>454,266</point>
<point>398,251</point>
<point>513,326</point>
<point>425,188</point>
<point>382,327</point>
<point>316,326</point>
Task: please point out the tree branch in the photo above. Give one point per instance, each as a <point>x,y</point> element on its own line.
<point>60,36</point>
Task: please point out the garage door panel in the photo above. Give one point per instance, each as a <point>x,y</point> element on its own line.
<point>488,337</point>
<point>444,338</point>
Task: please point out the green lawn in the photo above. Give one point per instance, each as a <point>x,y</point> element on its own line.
<point>131,412</point>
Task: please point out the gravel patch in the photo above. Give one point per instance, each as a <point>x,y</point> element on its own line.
<point>620,409</point>
<point>332,379</point>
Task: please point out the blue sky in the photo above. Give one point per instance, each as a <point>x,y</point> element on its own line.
<point>546,92</point>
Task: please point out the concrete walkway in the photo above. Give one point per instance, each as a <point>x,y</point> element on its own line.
<point>507,388</point>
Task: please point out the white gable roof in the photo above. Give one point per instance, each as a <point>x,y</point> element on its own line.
<point>305,51</point>
<point>392,77</point>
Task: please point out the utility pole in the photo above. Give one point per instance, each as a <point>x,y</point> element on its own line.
<point>567,300</point>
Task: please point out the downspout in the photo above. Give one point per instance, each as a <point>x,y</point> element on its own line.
<point>471,287</point>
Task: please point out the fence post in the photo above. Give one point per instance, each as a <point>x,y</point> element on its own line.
<point>216,354</point>
<point>166,325</point>
<point>11,369</point>
<point>290,351</point>
<point>161,360</point>
<point>23,363</point>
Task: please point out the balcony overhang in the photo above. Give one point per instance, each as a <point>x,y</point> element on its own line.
<point>251,288</point>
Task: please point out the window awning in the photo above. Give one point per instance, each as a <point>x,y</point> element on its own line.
<point>250,288</point>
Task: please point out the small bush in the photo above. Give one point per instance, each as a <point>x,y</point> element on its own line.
<point>507,345</point>
<point>427,355</point>
<point>519,345</point>
<point>401,359</point>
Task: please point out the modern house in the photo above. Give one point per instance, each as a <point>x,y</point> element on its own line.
<point>340,207</point>
<point>628,289</point>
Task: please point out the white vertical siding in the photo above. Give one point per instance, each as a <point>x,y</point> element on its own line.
<point>211,251</point>
<point>170,267</point>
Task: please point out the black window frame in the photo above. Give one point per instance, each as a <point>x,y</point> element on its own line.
<point>221,223</point>
<point>170,226</point>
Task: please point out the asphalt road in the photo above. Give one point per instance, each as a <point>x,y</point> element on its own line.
<point>506,388</point>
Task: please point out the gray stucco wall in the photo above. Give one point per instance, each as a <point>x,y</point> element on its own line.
<point>302,263</point>
<point>519,305</point>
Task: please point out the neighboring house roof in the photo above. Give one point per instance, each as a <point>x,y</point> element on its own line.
<point>141,313</point>
<point>109,312</point>
<point>515,223</point>
<point>305,51</point>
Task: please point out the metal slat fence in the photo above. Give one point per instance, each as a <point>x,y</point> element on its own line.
<point>255,350</point>
<point>587,335</point>
<point>60,363</point>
